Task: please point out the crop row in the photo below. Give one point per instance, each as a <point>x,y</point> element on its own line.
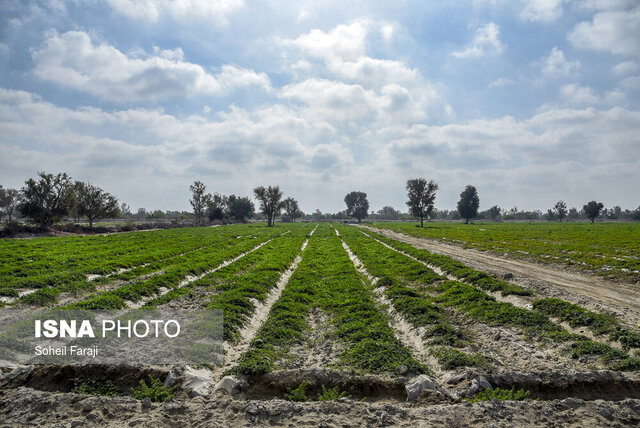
<point>607,249</point>
<point>472,302</point>
<point>575,315</point>
<point>235,288</point>
<point>45,262</point>
<point>403,279</point>
<point>196,262</point>
<point>326,279</point>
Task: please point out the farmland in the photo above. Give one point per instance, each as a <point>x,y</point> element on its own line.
<point>321,312</point>
<point>610,250</point>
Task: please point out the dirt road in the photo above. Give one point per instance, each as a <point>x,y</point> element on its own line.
<point>587,290</point>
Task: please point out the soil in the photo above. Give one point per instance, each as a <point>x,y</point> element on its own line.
<point>590,291</point>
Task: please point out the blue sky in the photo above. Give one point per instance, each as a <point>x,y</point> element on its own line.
<point>530,101</point>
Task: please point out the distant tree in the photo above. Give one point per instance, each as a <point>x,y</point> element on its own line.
<point>141,214</point>
<point>239,208</point>
<point>573,214</point>
<point>291,209</point>
<point>216,207</point>
<point>200,200</point>
<point>560,210</point>
<point>469,203</point>
<point>9,200</point>
<point>125,210</point>
<point>421,195</point>
<point>357,205</point>
<point>636,214</point>
<point>93,202</point>
<point>157,215</point>
<point>592,209</point>
<point>269,199</point>
<point>494,212</point>
<point>389,213</point>
<point>48,199</point>
<point>551,215</point>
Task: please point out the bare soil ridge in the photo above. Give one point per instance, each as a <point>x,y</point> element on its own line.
<point>622,298</point>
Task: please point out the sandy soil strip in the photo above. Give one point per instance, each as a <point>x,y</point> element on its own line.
<point>233,353</point>
<point>409,335</point>
<point>580,288</point>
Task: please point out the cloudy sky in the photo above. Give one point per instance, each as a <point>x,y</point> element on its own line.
<point>531,101</point>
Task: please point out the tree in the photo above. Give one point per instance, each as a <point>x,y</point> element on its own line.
<point>291,208</point>
<point>269,199</point>
<point>560,209</point>
<point>200,200</point>
<point>9,200</point>
<point>469,203</point>
<point>389,213</point>
<point>494,212</point>
<point>357,205</point>
<point>592,209</point>
<point>216,207</point>
<point>125,210</point>
<point>48,199</point>
<point>421,195</point>
<point>239,208</point>
<point>93,202</point>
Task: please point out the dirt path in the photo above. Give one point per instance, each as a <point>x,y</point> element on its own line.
<point>590,291</point>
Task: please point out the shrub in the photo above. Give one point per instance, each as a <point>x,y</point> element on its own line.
<point>156,391</point>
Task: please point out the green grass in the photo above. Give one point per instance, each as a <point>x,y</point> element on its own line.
<point>100,386</point>
<point>450,359</point>
<point>155,390</point>
<point>607,249</point>
<point>500,394</point>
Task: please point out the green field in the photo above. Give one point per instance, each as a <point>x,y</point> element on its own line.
<point>611,250</point>
<point>236,268</point>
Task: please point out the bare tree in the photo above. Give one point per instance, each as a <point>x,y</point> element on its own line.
<point>421,195</point>
<point>200,200</point>
<point>94,202</point>
<point>269,199</point>
<point>560,209</point>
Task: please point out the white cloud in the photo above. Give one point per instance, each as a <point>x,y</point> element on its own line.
<point>626,67</point>
<point>557,64</point>
<point>578,95</point>
<point>215,11</point>
<point>344,42</point>
<point>72,59</point>
<point>502,81</point>
<point>541,10</point>
<point>613,31</point>
<point>485,42</point>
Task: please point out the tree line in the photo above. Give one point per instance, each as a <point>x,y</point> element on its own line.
<point>49,198</point>
<point>237,208</point>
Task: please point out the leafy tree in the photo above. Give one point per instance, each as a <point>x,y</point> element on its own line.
<point>421,195</point>
<point>573,214</point>
<point>141,214</point>
<point>9,200</point>
<point>239,208</point>
<point>93,202</point>
<point>494,212</point>
<point>389,213</point>
<point>48,199</point>
<point>269,199</point>
<point>157,215</point>
<point>291,208</point>
<point>200,200</point>
<point>216,207</point>
<point>469,203</point>
<point>592,209</point>
<point>357,205</point>
<point>560,210</point>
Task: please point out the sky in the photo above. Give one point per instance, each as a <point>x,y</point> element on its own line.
<point>530,101</point>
